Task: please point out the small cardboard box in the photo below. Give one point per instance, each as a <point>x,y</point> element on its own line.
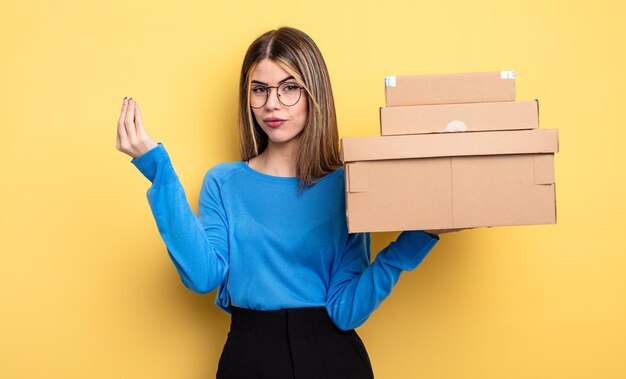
<point>441,118</point>
<point>456,180</point>
<point>479,87</point>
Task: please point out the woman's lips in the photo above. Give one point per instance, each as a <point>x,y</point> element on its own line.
<point>274,122</point>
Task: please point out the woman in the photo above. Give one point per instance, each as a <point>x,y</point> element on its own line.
<point>271,232</point>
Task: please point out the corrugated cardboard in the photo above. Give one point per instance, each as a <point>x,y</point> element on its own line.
<point>450,88</point>
<point>452,144</point>
<point>481,179</point>
<point>442,118</point>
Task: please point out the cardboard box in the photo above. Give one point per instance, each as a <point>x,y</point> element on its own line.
<point>477,87</point>
<point>441,118</point>
<point>458,180</point>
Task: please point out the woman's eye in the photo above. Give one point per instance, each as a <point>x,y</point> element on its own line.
<point>291,87</point>
<point>259,89</point>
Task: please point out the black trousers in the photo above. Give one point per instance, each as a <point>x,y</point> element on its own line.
<point>292,343</point>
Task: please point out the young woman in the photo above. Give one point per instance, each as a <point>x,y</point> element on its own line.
<point>270,233</point>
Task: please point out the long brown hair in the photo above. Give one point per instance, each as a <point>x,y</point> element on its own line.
<point>296,53</point>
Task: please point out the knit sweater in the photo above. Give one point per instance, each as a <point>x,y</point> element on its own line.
<point>266,246</point>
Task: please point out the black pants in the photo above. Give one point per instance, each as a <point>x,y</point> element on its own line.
<point>291,343</point>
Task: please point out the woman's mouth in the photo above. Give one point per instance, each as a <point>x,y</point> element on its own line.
<point>274,122</point>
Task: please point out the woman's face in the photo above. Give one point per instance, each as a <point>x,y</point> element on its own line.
<point>282,124</point>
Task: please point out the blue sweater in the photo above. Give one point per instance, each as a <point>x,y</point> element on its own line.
<point>266,246</point>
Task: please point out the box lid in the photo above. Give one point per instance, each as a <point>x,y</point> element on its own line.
<point>443,145</point>
<point>450,88</point>
<point>452,118</point>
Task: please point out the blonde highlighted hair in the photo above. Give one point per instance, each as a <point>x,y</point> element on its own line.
<point>296,53</point>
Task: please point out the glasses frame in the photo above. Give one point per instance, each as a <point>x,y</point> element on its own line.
<point>268,92</point>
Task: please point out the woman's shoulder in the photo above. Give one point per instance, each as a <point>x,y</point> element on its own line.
<point>222,171</point>
<point>336,174</point>
<point>339,171</point>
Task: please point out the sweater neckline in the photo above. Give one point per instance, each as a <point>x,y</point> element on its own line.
<point>259,174</point>
<point>283,179</point>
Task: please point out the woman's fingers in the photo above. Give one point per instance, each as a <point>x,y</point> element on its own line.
<point>441,231</point>
<point>118,143</point>
<point>132,138</point>
<point>121,129</point>
<point>120,121</point>
<point>129,121</point>
<point>146,141</point>
<point>138,119</point>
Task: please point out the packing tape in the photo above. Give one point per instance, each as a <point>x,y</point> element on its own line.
<point>358,177</point>
<point>544,168</point>
<point>507,74</point>
<point>456,126</point>
<point>390,81</point>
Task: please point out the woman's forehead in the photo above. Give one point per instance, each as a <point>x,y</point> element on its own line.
<point>268,71</point>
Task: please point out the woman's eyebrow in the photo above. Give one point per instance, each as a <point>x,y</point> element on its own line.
<point>263,83</point>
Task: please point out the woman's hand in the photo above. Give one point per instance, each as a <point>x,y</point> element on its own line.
<point>441,231</point>
<point>132,139</point>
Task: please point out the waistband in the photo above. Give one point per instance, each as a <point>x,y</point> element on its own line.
<point>291,320</point>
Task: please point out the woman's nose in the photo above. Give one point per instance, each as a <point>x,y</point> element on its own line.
<point>272,100</point>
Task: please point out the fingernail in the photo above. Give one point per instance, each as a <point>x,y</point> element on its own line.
<point>125,97</point>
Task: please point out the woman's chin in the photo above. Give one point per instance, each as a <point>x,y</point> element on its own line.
<point>277,139</point>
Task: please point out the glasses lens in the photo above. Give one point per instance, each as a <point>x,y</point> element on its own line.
<point>289,93</point>
<point>258,96</point>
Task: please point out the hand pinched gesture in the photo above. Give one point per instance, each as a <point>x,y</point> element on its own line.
<point>132,139</point>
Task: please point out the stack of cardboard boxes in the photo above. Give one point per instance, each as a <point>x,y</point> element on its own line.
<point>455,151</point>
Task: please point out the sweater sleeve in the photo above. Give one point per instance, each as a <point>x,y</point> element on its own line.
<point>197,245</point>
<point>357,287</point>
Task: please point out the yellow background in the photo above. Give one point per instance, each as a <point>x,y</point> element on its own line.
<point>87,287</point>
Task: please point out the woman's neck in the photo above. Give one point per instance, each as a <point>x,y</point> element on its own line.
<point>276,160</point>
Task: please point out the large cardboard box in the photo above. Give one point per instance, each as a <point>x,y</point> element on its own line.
<point>456,180</point>
<point>476,87</point>
<point>441,118</point>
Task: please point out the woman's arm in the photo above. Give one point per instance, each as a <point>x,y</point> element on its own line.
<point>357,287</point>
<point>197,245</point>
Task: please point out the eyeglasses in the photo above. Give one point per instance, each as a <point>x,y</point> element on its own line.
<point>288,94</point>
